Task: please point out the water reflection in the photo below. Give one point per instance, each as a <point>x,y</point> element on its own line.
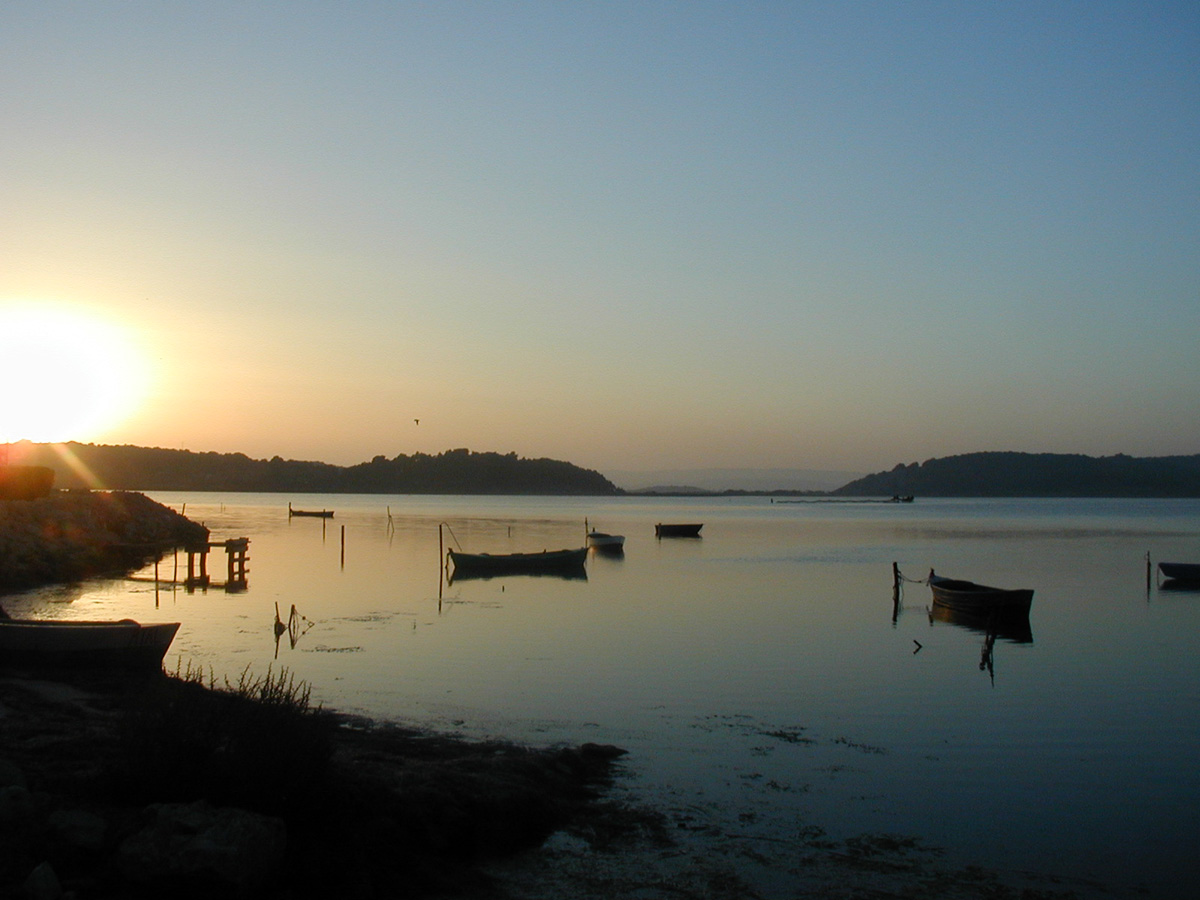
<point>1177,585</point>
<point>1013,628</point>
<point>1016,629</point>
<point>453,575</point>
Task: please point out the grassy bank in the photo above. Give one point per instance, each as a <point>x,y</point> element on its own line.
<point>342,807</point>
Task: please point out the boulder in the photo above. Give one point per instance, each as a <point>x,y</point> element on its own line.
<point>196,843</point>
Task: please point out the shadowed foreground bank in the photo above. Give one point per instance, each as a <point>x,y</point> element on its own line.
<point>170,787</point>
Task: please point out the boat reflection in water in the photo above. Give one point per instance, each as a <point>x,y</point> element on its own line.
<point>564,575</point>
<point>1012,627</point>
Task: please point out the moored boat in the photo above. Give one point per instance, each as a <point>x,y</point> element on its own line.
<point>124,644</point>
<point>1189,572</point>
<point>556,561</point>
<point>677,530</point>
<point>312,513</point>
<point>608,542</point>
<point>967,596</point>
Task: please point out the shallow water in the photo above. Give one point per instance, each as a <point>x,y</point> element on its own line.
<point>761,675</point>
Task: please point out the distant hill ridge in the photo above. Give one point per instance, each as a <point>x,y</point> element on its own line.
<point>461,471</point>
<point>452,472</point>
<point>1010,474</point>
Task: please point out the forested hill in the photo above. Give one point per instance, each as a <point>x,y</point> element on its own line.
<point>451,472</point>
<point>1035,475</point>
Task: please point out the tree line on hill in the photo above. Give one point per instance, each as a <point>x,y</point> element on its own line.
<point>452,472</point>
<point>1001,474</point>
<point>987,474</point>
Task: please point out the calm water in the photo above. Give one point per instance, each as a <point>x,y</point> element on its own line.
<point>760,674</point>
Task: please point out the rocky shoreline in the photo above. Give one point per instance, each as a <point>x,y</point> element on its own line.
<point>96,804</point>
<point>148,785</point>
<point>71,535</point>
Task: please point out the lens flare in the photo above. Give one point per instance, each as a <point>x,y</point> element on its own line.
<point>65,374</point>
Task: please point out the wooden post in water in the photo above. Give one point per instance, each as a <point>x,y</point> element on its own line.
<point>895,592</point>
<point>1148,571</point>
<point>343,546</point>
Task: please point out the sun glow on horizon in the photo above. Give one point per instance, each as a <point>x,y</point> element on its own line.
<point>65,374</point>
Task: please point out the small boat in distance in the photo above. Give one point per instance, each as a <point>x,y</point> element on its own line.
<point>50,643</point>
<point>314,513</point>
<point>1189,572</point>
<point>690,530</point>
<point>610,543</point>
<point>548,561</point>
<point>969,597</point>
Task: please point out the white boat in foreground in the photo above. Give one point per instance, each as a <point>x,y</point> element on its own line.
<point>602,541</point>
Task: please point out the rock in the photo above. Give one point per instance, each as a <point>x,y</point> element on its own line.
<point>78,829</point>
<point>11,774</point>
<point>43,884</point>
<point>70,535</point>
<point>16,805</point>
<point>196,842</point>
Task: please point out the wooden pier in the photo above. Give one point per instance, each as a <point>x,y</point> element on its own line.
<point>237,571</point>
<point>236,559</point>
<point>198,565</point>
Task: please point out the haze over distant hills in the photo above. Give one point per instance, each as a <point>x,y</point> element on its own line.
<point>731,479</point>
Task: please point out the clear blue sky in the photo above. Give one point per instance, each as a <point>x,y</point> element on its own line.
<point>631,235</point>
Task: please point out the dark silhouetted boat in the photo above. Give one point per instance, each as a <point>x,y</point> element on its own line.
<point>48,643</point>
<point>312,513</point>
<point>969,597</point>
<point>548,561</point>
<point>692,530</point>
<point>1185,572</point>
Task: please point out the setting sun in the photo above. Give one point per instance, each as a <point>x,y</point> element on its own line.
<point>65,374</point>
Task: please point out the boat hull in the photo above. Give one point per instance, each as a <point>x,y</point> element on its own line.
<point>979,599</point>
<point>1189,572</point>
<point>58,644</point>
<point>548,561</point>
<point>677,530</point>
<point>609,542</point>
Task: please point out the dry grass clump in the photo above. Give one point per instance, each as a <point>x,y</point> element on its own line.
<point>254,743</point>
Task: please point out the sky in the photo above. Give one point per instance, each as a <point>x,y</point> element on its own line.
<point>631,235</point>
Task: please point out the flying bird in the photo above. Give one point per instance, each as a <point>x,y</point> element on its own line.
<point>417,421</point>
